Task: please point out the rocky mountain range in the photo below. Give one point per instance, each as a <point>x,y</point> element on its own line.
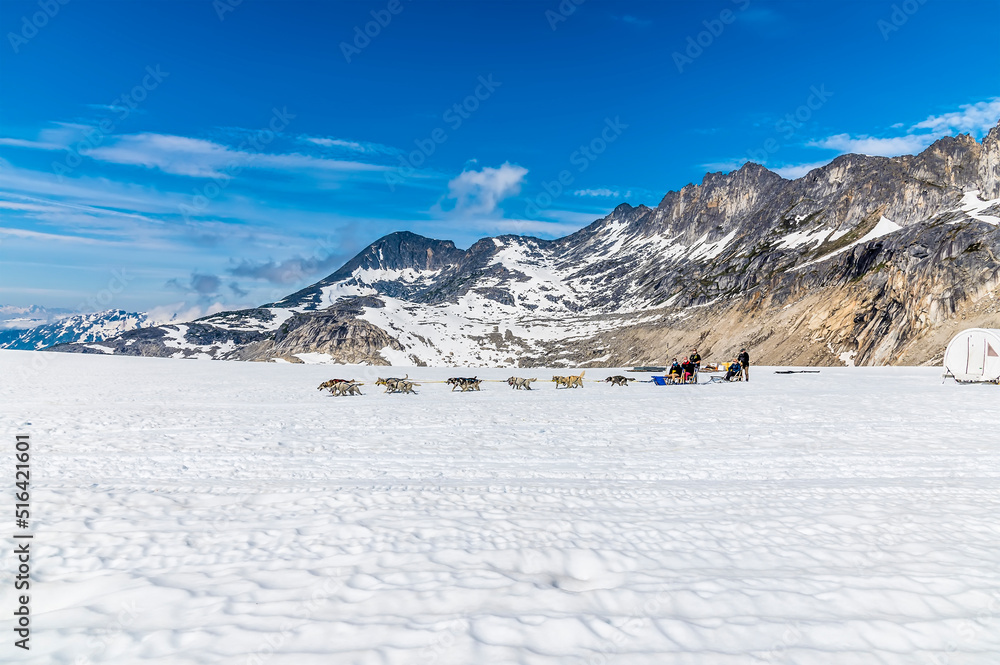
<point>76,328</point>
<point>867,260</point>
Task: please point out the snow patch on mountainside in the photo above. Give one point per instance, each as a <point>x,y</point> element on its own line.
<point>704,251</point>
<point>973,206</point>
<point>884,227</point>
<point>805,238</point>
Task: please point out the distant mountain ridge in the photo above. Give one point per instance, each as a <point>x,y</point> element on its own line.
<point>78,328</point>
<point>869,260</point>
<point>15,316</point>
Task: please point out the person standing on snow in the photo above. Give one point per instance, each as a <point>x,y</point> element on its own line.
<point>695,359</point>
<point>744,359</point>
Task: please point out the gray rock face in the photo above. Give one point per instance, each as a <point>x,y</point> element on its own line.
<point>869,260</point>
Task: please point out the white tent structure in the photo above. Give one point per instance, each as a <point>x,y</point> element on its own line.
<point>974,355</point>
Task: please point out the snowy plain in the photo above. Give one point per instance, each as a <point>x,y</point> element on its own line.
<point>225,512</point>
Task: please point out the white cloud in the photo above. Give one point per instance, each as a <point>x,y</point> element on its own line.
<point>181,155</point>
<point>726,166</point>
<point>178,155</point>
<point>869,145</point>
<point>480,192</point>
<point>600,192</point>
<point>794,171</point>
<point>975,119</point>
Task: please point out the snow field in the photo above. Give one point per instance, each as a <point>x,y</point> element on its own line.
<point>214,512</point>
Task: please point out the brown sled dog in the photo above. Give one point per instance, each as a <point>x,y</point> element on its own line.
<point>569,381</point>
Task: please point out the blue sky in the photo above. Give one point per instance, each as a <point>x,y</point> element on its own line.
<point>194,156</point>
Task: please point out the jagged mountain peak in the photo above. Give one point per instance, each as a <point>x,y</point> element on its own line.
<point>867,258</point>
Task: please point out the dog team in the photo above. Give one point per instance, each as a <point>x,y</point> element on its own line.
<point>677,373</point>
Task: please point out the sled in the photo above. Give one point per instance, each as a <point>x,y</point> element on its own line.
<point>664,381</point>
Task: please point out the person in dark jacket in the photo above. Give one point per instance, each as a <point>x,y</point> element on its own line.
<point>675,371</point>
<point>744,360</point>
<point>695,359</point>
<point>734,371</point>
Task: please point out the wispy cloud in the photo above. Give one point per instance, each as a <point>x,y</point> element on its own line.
<point>629,19</point>
<point>51,237</point>
<point>602,192</point>
<point>870,145</point>
<point>523,227</point>
<point>363,147</point>
<point>181,155</point>
<point>28,143</point>
<point>975,119</point>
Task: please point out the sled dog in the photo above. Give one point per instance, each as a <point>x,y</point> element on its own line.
<point>619,380</point>
<point>390,383</point>
<point>465,383</point>
<point>569,381</point>
<point>345,388</point>
<point>403,386</point>
<point>517,383</point>
<point>332,382</point>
